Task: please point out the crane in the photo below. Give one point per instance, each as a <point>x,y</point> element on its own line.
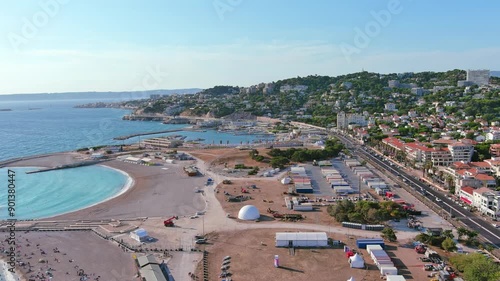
<point>170,221</point>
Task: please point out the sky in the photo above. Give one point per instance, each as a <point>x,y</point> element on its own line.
<point>124,45</point>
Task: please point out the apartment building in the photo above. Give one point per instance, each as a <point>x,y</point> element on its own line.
<point>479,77</point>
<point>344,119</point>
<point>487,201</point>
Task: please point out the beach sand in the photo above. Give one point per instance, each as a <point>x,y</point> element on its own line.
<point>76,250</point>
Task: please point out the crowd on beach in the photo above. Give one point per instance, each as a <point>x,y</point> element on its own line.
<point>38,263</point>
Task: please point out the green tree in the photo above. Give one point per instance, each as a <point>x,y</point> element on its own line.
<point>476,267</point>
<point>279,162</point>
<point>448,234</point>
<point>389,234</point>
<point>448,245</point>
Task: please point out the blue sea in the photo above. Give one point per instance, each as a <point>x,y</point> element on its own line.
<point>36,127</point>
<point>56,126</point>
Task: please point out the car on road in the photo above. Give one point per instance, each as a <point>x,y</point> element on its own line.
<point>495,225</point>
<point>438,200</point>
<point>193,217</point>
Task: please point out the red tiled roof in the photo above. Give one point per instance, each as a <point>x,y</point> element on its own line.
<point>467,189</point>
<point>482,190</point>
<point>484,177</point>
<point>480,164</point>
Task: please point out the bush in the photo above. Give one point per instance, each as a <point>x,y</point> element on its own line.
<point>448,245</point>
<point>389,234</point>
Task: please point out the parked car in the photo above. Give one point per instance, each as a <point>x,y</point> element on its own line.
<point>201,241</point>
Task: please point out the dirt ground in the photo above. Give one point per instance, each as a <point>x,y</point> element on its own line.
<point>306,264</point>
<point>222,161</point>
<point>312,264</point>
<point>268,194</point>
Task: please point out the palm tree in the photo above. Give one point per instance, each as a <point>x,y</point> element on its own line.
<point>450,182</point>
<point>461,231</point>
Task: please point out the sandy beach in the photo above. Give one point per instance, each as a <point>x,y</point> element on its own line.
<point>63,255</point>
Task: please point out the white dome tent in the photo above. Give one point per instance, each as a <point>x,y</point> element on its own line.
<point>357,261</point>
<point>248,213</point>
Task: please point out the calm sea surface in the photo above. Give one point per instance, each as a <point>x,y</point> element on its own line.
<point>44,126</point>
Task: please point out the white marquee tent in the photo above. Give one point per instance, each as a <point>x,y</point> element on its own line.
<point>357,261</point>
<point>301,239</point>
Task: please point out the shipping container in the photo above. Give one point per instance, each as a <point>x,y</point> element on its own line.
<point>362,243</point>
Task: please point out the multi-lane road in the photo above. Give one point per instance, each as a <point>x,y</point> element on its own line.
<point>471,220</point>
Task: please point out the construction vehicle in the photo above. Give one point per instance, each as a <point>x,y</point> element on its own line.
<point>170,221</point>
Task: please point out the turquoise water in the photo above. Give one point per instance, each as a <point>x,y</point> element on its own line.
<point>46,194</point>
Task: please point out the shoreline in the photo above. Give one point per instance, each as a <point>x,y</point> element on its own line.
<point>128,185</point>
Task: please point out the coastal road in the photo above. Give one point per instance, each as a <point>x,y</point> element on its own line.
<point>471,220</point>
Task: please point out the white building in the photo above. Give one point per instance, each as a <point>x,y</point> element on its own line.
<point>479,77</point>
<point>461,151</point>
<point>393,83</point>
<point>139,235</point>
<point>390,106</point>
<point>343,119</point>
<point>493,135</point>
<point>418,91</point>
<point>301,239</point>
<point>487,201</point>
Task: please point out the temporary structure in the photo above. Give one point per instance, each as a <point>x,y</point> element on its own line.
<point>139,235</point>
<point>357,261</point>
<point>301,239</point>
<point>248,213</point>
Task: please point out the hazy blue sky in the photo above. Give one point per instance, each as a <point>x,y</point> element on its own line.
<point>77,45</point>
